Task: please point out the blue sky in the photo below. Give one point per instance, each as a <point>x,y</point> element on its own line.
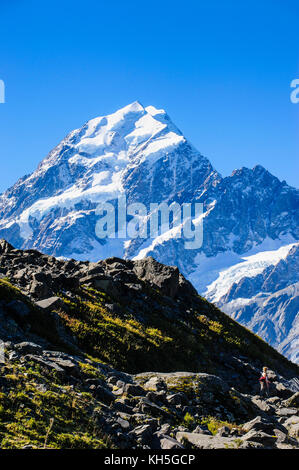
<point>221,69</point>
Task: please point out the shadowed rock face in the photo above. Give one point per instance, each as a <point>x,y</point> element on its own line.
<point>129,355</point>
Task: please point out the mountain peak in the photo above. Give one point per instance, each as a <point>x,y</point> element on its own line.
<point>135,106</point>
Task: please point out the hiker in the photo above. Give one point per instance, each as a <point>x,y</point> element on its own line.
<point>264,382</point>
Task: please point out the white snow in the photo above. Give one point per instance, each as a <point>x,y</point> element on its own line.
<point>107,146</point>
<point>248,266</point>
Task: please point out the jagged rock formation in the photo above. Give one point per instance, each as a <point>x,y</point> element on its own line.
<point>82,339</point>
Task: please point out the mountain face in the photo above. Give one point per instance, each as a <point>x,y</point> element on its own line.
<point>82,342</point>
<point>250,219</point>
<point>269,303</point>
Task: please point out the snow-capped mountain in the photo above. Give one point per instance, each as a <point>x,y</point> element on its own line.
<point>264,296</point>
<point>250,218</point>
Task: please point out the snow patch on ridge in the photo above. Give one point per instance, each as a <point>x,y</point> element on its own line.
<point>249,266</point>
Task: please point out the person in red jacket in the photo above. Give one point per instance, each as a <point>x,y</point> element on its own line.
<point>264,381</point>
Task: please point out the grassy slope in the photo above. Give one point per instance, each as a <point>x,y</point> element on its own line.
<point>157,343</point>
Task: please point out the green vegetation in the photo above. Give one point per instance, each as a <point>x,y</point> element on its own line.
<point>44,414</point>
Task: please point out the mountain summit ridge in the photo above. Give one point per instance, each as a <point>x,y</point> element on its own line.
<point>140,153</point>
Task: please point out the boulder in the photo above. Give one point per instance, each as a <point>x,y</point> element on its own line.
<point>19,308</point>
<point>202,441</point>
<point>144,433</point>
<point>260,437</point>
<point>177,399</point>
<point>293,401</point>
<point>104,395</point>
<point>258,424</point>
<point>148,407</point>
<point>287,411</point>
<point>134,390</point>
<point>28,348</point>
<point>166,278</point>
<point>49,366</point>
<point>262,405</point>
<point>224,431</point>
<point>50,303</point>
<point>168,443</point>
<point>155,383</point>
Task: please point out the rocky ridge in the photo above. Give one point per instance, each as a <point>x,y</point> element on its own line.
<point>84,341</point>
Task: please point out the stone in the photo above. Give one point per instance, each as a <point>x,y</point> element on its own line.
<point>134,390</point>
<point>260,437</point>
<point>294,430</point>
<point>202,441</point>
<point>168,443</point>
<point>50,303</point>
<point>293,401</point>
<point>291,420</point>
<point>177,399</point>
<point>123,423</point>
<point>166,278</point>
<point>45,364</point>
<point>224,431</point>
<point>148,407</point>
<point>287,411</point>
<point>283,392</point>
<point>143,432</point>
<point>262,405</point>
<point>155,383</point>
<point>28,348</point>
<point>257,424</point>
<point>104,395</point>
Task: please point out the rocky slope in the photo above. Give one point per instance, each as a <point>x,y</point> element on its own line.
<point>137,152</point>
<point>93,350</point>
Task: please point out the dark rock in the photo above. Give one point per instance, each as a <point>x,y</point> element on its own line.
<point>104,395</point>
<point>177,399</point>
<point>19,308</point>
<point>134,390</point>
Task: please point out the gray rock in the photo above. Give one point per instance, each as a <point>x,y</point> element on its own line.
<point>258,424</point>
<point>143,432</point>
<point>202,441</point>
<point>262,405</point>
<point>224,431</point>
<point>50,303</point>
<point>177,399</point>
<point>260,437</point>
<point>28,348</point>
<point>123,423</point>
<point>47,365</point>
<point>287,412</point>
<point>168,443</point>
